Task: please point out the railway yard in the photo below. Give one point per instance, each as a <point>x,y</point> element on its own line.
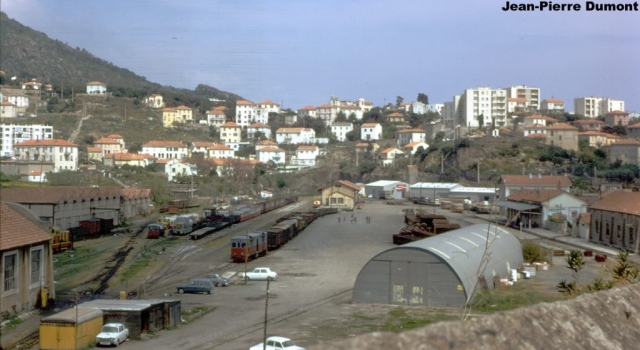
<point>310,301</point>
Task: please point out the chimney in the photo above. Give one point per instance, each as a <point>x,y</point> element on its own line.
<point>539,176</point>
<point>530,176</point>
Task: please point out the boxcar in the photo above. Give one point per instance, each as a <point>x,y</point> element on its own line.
<point>252,245</point>
<point>93,225</point>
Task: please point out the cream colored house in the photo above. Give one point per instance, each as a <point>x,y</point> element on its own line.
<point>166,149</point>
<point>154,101</point>
<point>340,194</point>
<point>274,154</point>
<point>216,116</point>
<point>562,135</point>
<point>96,88</point>
<point>221,151</point>
<point>62,153</point>
<point>230,132</point>
<point>371,131</point>
<point>109,146</point>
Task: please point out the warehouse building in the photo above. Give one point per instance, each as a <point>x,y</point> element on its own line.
<point>441,271</point>
<point>430,190</point>
<point>385,189</point>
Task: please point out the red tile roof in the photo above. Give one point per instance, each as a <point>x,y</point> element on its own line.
<point>534,180</point>
<point>54,195</point>
<point>5,103</point>
<point>94,149</point>
<point>395,114</point>
<point>307,108</point>
<point>229,125</point>
<point>307,148</point>
<point>292,130</point>
<point>258,125</point>
<point>267,102</point>
<point>411,131</point>
<point>412,144</point>
<point>626,142</point>
<point>553,100</point>
<point>390,149</point>
<point>125,156</point>
<point>270,149</point>
<point>18,229</point>
<point>221,147</point>
<point>537,196</point>
<point>114,136</point>
<point>537,135</point>
<point>369,125</point>
<point>130,193</point>
<point>106,141</point>
<point>326,105</point>
<point>35,173</point>
<point>561,126</point>
<point>618,113</point>
<point>204,144</point>
<point>619,202</point>
<point>164,144</point>
<point>588,121</point>
<point>96,83</point>
<point>537,116</point>
<point>266,142</point>
<point>343,183</point>
<point>51,142</point>
<point>183,107</point>
<point>535,126</point>
<point>244,103</point>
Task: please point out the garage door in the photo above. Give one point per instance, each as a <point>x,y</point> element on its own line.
<point>408,283</point>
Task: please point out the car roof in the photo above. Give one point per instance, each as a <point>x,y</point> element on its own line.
<point>278,338</point>
<point>114,324</point>
<point>263,267</point>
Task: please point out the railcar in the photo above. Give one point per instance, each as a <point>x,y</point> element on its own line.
<point>248,247</point>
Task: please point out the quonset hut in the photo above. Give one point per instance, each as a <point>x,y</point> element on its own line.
<point>438,271</point>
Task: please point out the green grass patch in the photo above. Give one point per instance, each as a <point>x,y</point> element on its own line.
<point>510,298</point>
<point>78,256</point>
<point>399,320</point>
<point>140,263</point>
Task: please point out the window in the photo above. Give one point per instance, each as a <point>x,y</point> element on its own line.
<point>619,233</point>
<point>36,266</point>
<point>630,235</point>
<point>606,230</point>
<point>10,269</point>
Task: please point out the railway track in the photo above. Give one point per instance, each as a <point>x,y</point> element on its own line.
<point>29,342</point>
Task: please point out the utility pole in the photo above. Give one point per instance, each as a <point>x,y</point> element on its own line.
<point>266,306</point>
<point>246,256</point>
<point>522,169</point>
<point>478,181</point>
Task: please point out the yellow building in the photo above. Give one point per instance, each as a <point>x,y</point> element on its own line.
<point>169,115</point>
<point>74,328</point>
<point>340,194</point>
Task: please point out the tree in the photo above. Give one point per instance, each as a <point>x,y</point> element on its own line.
<point>423,98</point>
<point>341,117</point>
<point>481,121</point>
<point>575,263</point>
<point>399,101</point>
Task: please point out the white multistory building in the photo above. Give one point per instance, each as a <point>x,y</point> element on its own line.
<point>484,103</point>
<point>530,94</point>
<point>63,154</point>
<point>246,113</point>
<point>591,107</point>
<point>12,134</point>
<point>166,149</point>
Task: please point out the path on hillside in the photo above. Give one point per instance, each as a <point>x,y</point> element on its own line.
<point>76,132</point>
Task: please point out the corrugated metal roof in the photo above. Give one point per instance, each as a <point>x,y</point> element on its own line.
<point>441,185</point>
<point>70,316</point>
<point>463,250</point>
<point>473,189</point>
<point>516,205</point>
<point>121,304</point>
<point>383,183</point>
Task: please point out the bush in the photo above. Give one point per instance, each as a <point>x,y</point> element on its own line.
<point>532,252</point>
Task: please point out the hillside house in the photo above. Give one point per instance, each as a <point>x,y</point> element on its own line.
<point>594,138</point>
<point>413,147</point>
<point>396,118</point>
<point>540,120</point>
<point>634,131</point>
<point>626,151</point>
<point>175,167</point>
<point>295,135</point>
<point>327,113</point>
<point>340,130</point>
<point>37,176</point>
<point>305,156</point>
<point>273,154</point>
<point>34,84</point>
<point>389,155</point>
<point>108,146</point>
<point>258,129</point>
<point>406,136</point>
<point>216,116</point>
<point>20,100</point>
<point>230,132</point>
<point>615,220</point>
<point>552,105</point>
<point>616,118</point>
<point>25,256</point>
<point>202,147</point>
<point>562,135</point>
<point>349,111</point>
<point>370,132</point>
<point>62,153</point>
<point>166,149</point>
<point>131,159</point>
<point>307,111</point>
<point>96,88</point>
<point>263,109</point>
<point>265,143</point>
<point>154,101</point>
<point>535,129</point>
<point>8,110</point>
<point>588,125</point>
<point>221,151</point>
<point>12,134</point>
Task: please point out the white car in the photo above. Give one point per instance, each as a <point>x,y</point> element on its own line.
<point>112,334</point>
<point>277,343</point>
<point>261,273</point>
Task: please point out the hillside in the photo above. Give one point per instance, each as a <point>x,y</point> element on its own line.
<point>26,54</point>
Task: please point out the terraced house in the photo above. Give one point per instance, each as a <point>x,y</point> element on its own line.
<point>63,154</point>
<point>165,149</point>
<point>615,220</point>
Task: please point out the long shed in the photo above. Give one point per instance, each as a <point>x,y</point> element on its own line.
<point>441,270</point>
<point>74,328</point>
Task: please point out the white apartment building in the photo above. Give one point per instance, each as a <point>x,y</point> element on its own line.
<point>12,134</point>
<point>340,130</point>
<point>96,88</point>
<point>531,94</point>
<point>154,101</point>
<point>20,100</point>
<point>295,135</point>
<point>433,108</point>
<point>407,136</point>
<point>221,151</point>
<point>246,113</point>
<point>592,107</point>
<point>202,147</point>
<point>63,154</point>
<point>174,168</point>
<point>552,105</point>
<point>230,132</point>
<point>489,103</point>
<point>351,110</point>
<point>263,109</point>
<point>166,149</point>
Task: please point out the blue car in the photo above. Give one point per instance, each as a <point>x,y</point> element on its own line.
<point>197,285</point>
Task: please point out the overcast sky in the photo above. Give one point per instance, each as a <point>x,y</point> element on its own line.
<point>302,52</point>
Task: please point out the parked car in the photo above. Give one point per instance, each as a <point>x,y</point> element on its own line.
<point>196,285</point>
<point>277,343</point>
<point>218,280</point>
<point>261,273</point>
<point>112,334</point>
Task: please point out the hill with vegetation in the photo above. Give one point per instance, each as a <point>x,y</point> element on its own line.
<point>28,54</point>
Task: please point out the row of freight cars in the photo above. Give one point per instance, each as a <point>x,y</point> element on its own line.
<point>62,240</point>
<point>256,244</point>
<point>209,220</point>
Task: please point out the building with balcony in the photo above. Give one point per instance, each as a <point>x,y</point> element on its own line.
<point>62,153</point>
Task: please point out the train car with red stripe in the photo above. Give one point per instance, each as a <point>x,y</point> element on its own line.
<point>248,247</point>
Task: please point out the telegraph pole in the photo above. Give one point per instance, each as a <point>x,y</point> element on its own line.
<point>266,306</point>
